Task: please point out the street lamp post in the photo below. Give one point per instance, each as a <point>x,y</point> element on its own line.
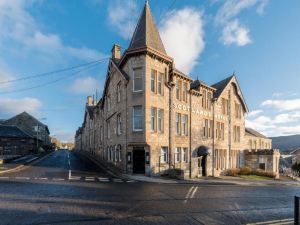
<point>37,132</point>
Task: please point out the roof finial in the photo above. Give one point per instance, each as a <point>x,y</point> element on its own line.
<point>147,2</point>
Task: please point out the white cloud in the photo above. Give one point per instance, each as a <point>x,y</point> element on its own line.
<point>15,106</point>
<point>85,85</point>
<point>183,36</point>
<point>283,105</point>
<point>18,26</point>
<point>235,33</point>
<point>289,130</point>
<point>122,16</point>
<point>254,113</point>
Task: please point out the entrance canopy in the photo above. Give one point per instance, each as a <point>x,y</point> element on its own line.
<point>202,151</point>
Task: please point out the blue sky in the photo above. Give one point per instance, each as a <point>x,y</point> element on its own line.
<point>258,40</point>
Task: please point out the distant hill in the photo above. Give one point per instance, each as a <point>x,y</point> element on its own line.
<point>286,143</point>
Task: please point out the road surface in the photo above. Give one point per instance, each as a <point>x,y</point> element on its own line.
<point>65,189</point>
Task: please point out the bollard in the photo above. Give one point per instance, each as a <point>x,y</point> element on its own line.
<point>296,210</point>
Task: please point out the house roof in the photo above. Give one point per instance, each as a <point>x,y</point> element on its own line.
<point>90,110</point>
<point>254,133</point>
<point>146,33</point>
<point>221,85</point>
<point>11,131</point>
<point>27,115</point>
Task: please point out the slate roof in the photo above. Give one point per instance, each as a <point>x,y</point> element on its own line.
<point>254,133</point>
<point>220,86</point>
<point>90,110</point>
<point>12,132</point>
<point>146,33</point>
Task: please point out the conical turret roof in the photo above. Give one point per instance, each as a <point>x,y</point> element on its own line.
<point>146,33</point>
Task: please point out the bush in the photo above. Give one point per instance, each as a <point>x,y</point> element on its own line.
<point>234,172</point>
<point>173,173</point>
<point>296,167</point>
<point>245,171</point>
<point>260,172</point>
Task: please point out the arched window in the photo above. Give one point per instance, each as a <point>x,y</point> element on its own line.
<point>108,154</point>
<point>119,149</point>
<point>112,157</point>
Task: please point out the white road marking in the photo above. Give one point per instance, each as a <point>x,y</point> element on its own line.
<point>43,178</point>
<point>130,181</point>
<point>89,179</point>
<point>22,178</point>
<point>74,178</point>
<point>30,160</point>
<point>4,177</point>
<point>194,192</point>
<point>117,180</point>
<point>104,180</point>
<point>188,194</point>
<point>58,179</point>
<point>70,174</point>
<point>284,221</point>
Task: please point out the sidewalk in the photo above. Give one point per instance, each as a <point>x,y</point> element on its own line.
<point>222,180</point>
<point>17,163</point>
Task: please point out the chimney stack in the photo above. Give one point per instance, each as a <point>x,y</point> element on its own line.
<point>116,51</point>
<point>89,101</point>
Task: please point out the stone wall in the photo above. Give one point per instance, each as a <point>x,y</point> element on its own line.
<point>267,160</point>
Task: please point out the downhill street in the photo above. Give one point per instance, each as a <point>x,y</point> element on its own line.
<point>65,189</point>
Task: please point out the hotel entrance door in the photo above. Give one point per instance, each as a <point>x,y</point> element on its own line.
<point>138,160</point>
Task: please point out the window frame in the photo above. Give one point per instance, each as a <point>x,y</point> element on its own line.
<point>119,92</point>
<point>134,78</point>
<point>133,120</point>
<point>119,124</point>
<point>178,155</point>
<point>153,119</point>
<point>164,155</point>
<point>160,82</point>
<point>160,120</point>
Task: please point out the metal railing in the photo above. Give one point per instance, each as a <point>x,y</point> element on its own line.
<point>296,210</point>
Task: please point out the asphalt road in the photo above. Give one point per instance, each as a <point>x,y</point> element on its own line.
<point>64,189</point>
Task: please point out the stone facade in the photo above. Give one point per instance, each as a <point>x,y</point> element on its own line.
<point>153,118</point>
<point>266,160</point>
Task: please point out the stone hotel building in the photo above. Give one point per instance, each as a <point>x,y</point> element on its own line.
<point>153,118</point>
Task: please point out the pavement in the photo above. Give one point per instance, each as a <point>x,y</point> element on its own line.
<point>45,192</point>
<point>18,162</point>
<point>224,180</point>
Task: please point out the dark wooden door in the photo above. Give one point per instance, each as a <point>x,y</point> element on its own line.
<point>139,161</point>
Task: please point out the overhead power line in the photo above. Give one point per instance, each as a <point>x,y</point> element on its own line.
<point>74,74</point>
<point>51,72</point>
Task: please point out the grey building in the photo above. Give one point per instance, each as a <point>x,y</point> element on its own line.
<point>33,127</point>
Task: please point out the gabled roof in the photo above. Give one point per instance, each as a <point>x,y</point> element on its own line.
<point>11,131</point>
<point>254,133</point>
<point>27,115</point>
<point>146,33</point>
<point>221,86</point>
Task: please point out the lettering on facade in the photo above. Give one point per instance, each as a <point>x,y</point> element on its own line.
<point>198,111</point>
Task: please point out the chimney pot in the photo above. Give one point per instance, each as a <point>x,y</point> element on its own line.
<point>89,101</point>
<point>116,51</point>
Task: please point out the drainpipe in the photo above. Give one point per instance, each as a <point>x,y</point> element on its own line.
<point>190,131</point>
<point>126,128</point>
<point>213,136</point>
